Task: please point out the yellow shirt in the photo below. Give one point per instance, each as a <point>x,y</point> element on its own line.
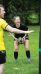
<point>3,25</point>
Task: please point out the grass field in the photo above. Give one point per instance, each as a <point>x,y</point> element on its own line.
<point>22,66</point>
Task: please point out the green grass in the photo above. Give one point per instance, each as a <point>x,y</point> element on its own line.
<point>22,66</point>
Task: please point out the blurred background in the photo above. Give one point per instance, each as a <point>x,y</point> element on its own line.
<point>28,10</point>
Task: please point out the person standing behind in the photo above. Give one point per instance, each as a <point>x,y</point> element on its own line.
<point>20,38</point>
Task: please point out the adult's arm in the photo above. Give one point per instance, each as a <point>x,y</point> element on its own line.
<point>15,30</point>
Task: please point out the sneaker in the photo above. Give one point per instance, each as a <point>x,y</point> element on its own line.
<point>29,61</point>
<point>15,60</point>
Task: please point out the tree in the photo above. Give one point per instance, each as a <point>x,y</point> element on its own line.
<point>20,7</point>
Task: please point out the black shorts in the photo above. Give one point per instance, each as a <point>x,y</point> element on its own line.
<point>26,38</point>
<point>2,57</point>
<point>21,41</point>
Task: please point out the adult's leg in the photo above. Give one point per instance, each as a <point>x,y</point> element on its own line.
<point>1,68</point>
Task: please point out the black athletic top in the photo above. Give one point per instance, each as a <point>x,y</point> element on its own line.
<point>22,27</point>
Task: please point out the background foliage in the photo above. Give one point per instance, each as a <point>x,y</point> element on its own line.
<point>26,9</point>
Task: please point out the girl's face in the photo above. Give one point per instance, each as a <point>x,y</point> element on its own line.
<point>17,21</point>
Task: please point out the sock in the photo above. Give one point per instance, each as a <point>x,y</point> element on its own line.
<point>28,54</point>
<point>15,55</point>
